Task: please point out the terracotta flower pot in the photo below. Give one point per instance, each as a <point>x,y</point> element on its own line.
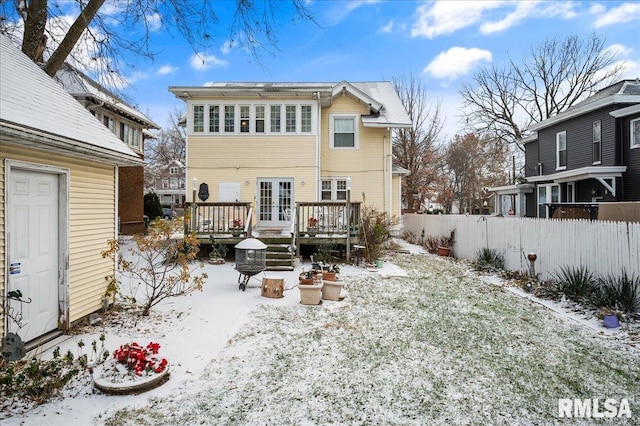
<point>444,251</point>
<point>329,276</point>
<point>306,281</point>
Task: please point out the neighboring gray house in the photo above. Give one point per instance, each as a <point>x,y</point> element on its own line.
<point>169,183</point>
<point>585,158</point>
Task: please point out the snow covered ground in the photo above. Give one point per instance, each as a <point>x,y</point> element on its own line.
<point>419,341</point>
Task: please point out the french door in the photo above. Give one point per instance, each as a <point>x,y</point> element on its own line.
<point>275,200</point>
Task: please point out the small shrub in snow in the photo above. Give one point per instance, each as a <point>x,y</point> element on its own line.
<point>576,283</point>
<point>621,292</point>
<point>488,260</point>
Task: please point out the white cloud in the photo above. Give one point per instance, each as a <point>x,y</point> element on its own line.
<point>387,28</point>
<point>446,17</point>
<point>202,62</point>
<point>227,46</point>
<point>341,10</point>
<point>624,13</point>
<point>597,8</point>
<point>154,21</point>
<point>167,69</point>
<point>618,50</point>
<point>456,61</point>
<point>523,10</point>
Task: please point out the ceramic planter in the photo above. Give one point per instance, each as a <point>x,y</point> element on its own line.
<point>331,290</point>
<point>311,294</point>
<point>611,321</point>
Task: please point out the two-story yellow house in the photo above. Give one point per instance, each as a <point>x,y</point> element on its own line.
<point>275,145</point>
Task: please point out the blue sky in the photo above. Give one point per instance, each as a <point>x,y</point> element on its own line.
<point>441,43</point>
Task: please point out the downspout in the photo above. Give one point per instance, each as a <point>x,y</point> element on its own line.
<point>384,173</point>
<point>318,141</point>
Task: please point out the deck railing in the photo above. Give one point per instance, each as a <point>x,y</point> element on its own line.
<point>219,218</point>
<point>327,218</point>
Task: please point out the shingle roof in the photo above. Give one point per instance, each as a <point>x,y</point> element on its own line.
<point>32,103</point>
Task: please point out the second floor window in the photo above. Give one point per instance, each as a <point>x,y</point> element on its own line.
<point>343,132</point>
<point>597,145</point>
<point>108,121</point>
<point>173,171</point>
<point>244,119</point>
<point>259,118</point>
<point>214,118</point>
<point>229,118</point>
<point>198,118</point>
<point>561,151</point>
<point>275,118</point>
<point>291,118</point>
<point>305,117</point>
<point>635,133</point>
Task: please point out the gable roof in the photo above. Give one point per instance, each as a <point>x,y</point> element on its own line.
<point>80,86</point>
<point>385,106</point>
<point>623,92</point>
<point>36,111</point>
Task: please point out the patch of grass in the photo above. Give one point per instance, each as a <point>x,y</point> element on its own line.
<point>438,347</point>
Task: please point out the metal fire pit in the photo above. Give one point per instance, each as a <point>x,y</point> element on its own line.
<point>251,259</point>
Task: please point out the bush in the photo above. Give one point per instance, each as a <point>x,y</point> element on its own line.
<point>621,293</point>
<point>374,232</point>
<point>576,283</point>
<point>488,260</point>
<point>152,207</point>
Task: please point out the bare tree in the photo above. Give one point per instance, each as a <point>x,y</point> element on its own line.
<point>556,75</point>
<point>103,38</point>
<point>169,144</point>
<point>415,149</point>
<point>471,164</point>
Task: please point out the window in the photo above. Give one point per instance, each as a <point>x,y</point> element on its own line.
<point>229,118</point>
<point>326,190</point>
<point>635,133</point>
<point>124,130</point>
<point>275,118</point>
<point>165,184</point>
<point>561,151</point>
<point>214,118</point>
<point>259,118</point>
<point>173,170</point>
<point>244,119</point>
<point>343,132</point>
<point>290,119</point>
<point>597,137</point>
<point>542,199</point>
<point>305,117</point>
<point>135,137</point>
<point>198,118</point>
<point>333,189</point>
<point>108,122</point>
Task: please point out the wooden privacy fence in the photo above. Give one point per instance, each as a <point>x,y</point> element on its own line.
<point>603,247</point>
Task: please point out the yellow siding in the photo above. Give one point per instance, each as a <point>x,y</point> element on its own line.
<point>243,159</point>
<point>92,223</point>
<point>364,165</point>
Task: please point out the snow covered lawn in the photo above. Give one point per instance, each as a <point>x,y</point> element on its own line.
<point>432,345</point>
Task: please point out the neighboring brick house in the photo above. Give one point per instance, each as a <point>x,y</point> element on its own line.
<point>126,123</point>
<point>169,183</point>
<point>585,162</point>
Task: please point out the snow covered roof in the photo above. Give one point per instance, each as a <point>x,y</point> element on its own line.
<point>384,103</point>
<point>36,111</point>
<point>79,85</point>
<point>622,92</point>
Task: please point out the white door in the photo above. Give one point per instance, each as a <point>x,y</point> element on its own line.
<point>275,201</point>
<point>33,251</point>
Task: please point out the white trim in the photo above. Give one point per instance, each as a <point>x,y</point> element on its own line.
<point>626,111</point>
<point>581,174</point>
<point>64,189</point>
<point>632,134</point>
<point>558,166</point>
<point>356,131</point>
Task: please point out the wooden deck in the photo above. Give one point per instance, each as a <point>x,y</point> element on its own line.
<point>311,224</point>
